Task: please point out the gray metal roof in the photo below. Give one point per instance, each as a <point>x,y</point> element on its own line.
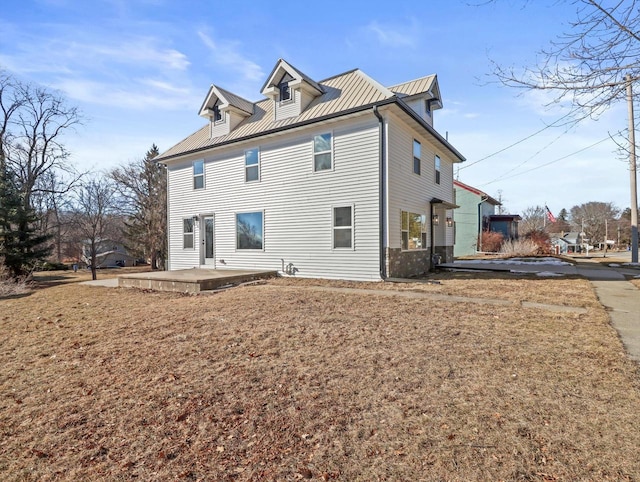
<point>342,94</point>
<point>413,87</point>
<point>236,100</point>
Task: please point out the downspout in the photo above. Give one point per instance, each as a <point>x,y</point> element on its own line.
<point>482,199</point>
<point>382,193</point>
<point>433,231</point>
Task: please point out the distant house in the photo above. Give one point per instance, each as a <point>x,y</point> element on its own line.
<point>472,217</point>
<point>507,224</point>
<point>110,254</point>
<point>340,178</point>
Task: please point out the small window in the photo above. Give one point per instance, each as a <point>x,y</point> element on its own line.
<point>249,229</point>
<point>343,227</point>
<point>414,231</point>
<point>252,165</point>
<point>437,166</point>
<point>187,233</point>
<point>198,175</point>
<point>322,152</point>
<point>217,115</point>
<point>427,107</point>
<point>417,150</point>
<point>284,89</point>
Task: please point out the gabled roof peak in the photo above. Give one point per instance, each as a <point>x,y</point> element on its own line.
<point>228,101</point>
<point>281,67</point>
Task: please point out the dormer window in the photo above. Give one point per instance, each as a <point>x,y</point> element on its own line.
<point>284,89</point>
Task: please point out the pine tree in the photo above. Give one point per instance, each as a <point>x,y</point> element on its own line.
<point>20,247</point>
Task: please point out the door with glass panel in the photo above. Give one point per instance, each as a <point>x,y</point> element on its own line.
<point>207,255</point>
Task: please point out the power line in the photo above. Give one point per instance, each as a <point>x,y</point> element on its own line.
<point>550,162</point>
<point>515,143</point>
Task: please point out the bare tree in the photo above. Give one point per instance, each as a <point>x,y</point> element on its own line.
<point>588,65</point>
<point>94,210</point>
<point>33,121</point>
<point>594,218</point>
<point>143,189</point>
<point>533,219</point>
<point>592,66</point>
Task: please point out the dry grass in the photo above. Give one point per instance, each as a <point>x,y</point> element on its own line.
<point>276,383</point>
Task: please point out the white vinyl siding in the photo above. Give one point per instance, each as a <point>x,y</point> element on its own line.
<point>297,203</point>
<point>408,192</point>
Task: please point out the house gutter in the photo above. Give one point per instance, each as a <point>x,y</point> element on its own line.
<point>382,192</point>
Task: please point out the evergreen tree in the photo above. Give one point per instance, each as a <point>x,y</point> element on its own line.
<point>20,247</point>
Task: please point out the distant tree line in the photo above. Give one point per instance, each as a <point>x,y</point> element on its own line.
<point>49,210</point>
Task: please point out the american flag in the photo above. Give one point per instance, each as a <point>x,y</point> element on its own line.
<point>550,216</point>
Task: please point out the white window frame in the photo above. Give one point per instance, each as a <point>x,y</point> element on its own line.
<point>418,159</point>
<point>191,233</point>
<point>195,176</point>
<point>437,166</point>
<point>423,231</point>
<point>334,227</point>
<point>247,166</point>
<point>314,153</point>
<point>235,218</point>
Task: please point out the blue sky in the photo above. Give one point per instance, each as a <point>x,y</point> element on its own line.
<point>139,70</point>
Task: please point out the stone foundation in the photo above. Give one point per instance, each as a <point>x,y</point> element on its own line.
<point>406,264</point>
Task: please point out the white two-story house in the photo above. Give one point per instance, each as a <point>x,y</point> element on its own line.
<point>342,178</point>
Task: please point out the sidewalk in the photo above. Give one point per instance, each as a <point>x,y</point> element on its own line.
<point>620,298</point>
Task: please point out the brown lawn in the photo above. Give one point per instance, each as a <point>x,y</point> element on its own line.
<point>284,381</point>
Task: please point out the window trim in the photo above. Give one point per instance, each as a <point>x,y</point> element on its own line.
<point>192,233</point>
<point>417,161</point>
<point>281,88</point>
<point>424,238</point>
<point>235,216</point>
<point>437,168</point>
<point>314,153</point>
<point>334,227</point>
<point>193,167</point>
<point>257,165</point>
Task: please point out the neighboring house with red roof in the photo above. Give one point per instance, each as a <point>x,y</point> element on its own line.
<point>342,178</point>
<point>477,213</point>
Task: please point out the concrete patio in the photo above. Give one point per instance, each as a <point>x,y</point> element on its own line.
<point>191,280</point>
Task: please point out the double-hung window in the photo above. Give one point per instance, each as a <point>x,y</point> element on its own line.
<point>414,231</point>
<point>417,152</point>
<point>322,152</point>
<point>437,168</point>
<point>198,175</point>
<point>187,233</point>
<point>249,230</point>
<point>252,165</point>
<point>343,227</point>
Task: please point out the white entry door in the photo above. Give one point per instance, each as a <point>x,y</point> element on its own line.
<point>207,254</point>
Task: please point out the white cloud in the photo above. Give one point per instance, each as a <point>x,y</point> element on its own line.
<point>136,95</point>
<point>227,54</point>
<point>395,36</point>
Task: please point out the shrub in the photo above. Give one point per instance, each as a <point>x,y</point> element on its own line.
<point>519,247</point>
<point>490,241</point>
<point>541,240</point>
<point>10,286</point>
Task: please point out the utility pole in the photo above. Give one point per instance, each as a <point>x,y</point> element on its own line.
<point>633,174</point>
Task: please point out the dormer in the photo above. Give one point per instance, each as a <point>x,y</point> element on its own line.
<point>224,111</point>
<point>291,90</point>
<point>422,95</point>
